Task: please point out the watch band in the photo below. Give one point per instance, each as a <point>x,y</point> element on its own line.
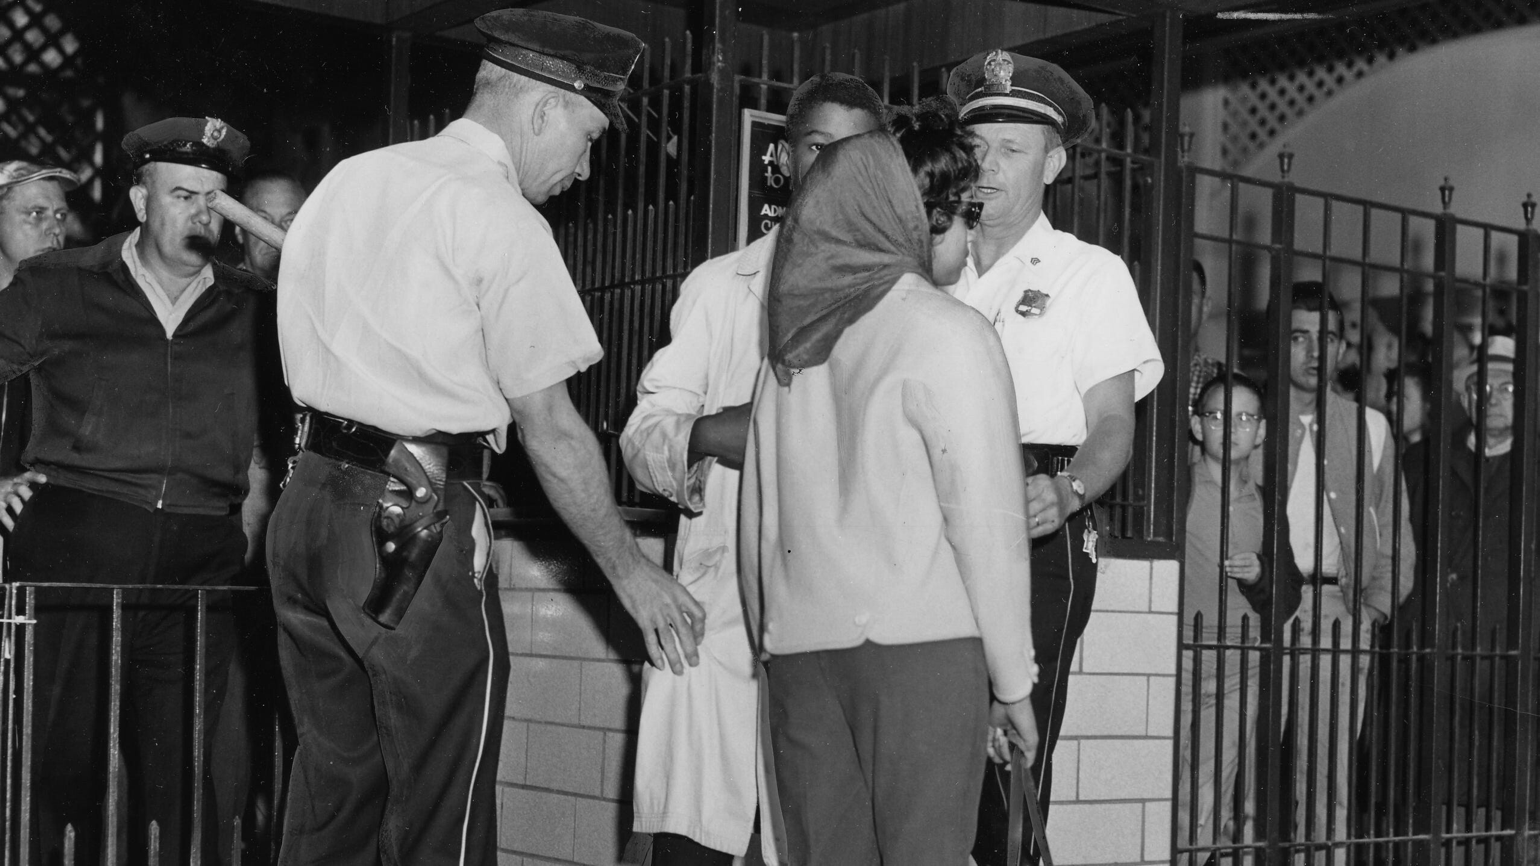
<point>1077,486</point>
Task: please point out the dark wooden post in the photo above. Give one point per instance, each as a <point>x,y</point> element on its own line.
<point>398,123</point>
<point>717,23</point>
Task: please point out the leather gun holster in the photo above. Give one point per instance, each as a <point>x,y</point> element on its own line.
<point>408,528</point>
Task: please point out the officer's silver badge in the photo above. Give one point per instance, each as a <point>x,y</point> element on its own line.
<point>998,70</point>
<point>1032,304</point>
<point>214,132</point>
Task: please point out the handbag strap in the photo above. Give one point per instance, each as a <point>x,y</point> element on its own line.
<point>1024,808</point>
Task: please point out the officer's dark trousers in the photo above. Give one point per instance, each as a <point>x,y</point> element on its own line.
<point>70,536</point>
<point>399,731</point>
<point>1063,584</point>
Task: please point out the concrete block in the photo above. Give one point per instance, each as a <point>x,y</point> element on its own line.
<point>1066,770</point>
<point>506,859</point>
<point>619,765</point>
<point>1106,706</point>
<point>1157,832</point>
<point>516,618</point>
<point>1130,643</point>
<point>1077,660</point>
<point>537,822</point>
<point>1122,584</point>
<point>570,624</point>
<point>565,759</point>
<point>1165,585</point>
<point>545,690</point>
<point>1162,706</point>
<point>1125,769</point>
<point>510,764</point>
<point>1097,833</point>
<point>612,696</point>
<point>602,830</point>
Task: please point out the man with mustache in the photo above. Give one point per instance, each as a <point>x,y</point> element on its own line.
<point>140,351</point>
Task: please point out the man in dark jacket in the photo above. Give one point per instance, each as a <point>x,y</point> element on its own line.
<point>144,391</point>
<point>1477,586</point>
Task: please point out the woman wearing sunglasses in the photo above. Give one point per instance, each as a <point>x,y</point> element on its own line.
<point>883,538</point>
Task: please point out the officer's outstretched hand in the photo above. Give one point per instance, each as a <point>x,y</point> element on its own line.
<point>1050,502</point>
<point>14,493</point>
<point>670,618</point>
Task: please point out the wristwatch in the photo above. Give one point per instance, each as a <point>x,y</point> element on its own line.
<point>1077,486</point>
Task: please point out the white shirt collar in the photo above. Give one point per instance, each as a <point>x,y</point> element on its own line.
<point>484,140</point>
<point>1040,232</point>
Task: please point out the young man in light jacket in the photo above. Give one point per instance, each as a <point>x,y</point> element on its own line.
<point>698,767</point>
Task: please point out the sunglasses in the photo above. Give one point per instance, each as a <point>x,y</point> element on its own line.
<point>970,211</point>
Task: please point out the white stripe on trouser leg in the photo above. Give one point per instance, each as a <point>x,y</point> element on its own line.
<point>1069,612</point>
<point>486,700</point>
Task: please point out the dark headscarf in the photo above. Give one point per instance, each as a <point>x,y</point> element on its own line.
<point>856,225</point>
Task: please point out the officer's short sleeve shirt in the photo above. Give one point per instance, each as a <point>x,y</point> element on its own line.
<point>419,291</point>
<point>1091,328</point>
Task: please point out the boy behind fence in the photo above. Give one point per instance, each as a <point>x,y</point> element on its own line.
<point>1225,584</point>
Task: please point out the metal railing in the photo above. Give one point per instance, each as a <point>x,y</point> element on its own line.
<point>29,708</point>
<point>1416,741</point>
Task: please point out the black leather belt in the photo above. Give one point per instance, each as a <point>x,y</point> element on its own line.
<point>1047,459</point>
<point>461,454</point>
<point>1323,579</point>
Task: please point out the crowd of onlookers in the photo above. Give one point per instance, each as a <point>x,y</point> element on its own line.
<point>1356,576</point>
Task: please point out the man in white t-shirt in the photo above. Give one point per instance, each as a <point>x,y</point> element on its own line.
<point>1355,573</point>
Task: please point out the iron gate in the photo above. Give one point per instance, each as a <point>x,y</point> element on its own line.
<point>1429,756</point>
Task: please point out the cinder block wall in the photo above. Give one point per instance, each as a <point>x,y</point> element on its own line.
<point>1112,769</point>
<point>574,697</point>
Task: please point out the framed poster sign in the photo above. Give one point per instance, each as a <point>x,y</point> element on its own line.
<point>764,175</point>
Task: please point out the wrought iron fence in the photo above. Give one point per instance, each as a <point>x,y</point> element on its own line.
<point>31,707</point>
<point>1324,733</point>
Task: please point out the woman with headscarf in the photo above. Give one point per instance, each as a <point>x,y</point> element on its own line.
<point>883,539</point>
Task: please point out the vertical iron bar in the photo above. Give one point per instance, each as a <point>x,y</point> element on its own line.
<point>1272,778</point>
<point>399,86</point>
<point>28,699</point>
<point>200,675</point>
<point>1443,414</point>
<point>1171,246</point>
<point>718,21</point>
<point>114,726</point>
<point>1524,505</point>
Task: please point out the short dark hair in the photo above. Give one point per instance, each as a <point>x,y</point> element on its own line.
<point>1310,296</point>
<point>832,88</point>
<point>1235,380</point>
<point>1202,275</point>
<point>1417,375</point>
<point>269,176</point>
<point>940,153</point>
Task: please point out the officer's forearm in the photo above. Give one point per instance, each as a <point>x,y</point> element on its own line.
<point>1109,442</point>
<point>566,458</point>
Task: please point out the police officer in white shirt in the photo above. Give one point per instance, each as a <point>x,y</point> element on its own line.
<point>1081,353</point>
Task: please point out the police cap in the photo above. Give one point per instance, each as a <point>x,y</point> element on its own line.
<point>1000,86</point>
<point>206,142</point>
<point>573,54</point>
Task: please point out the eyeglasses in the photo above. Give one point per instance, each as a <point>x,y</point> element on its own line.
<point>970,211</point>
<point>1502,390</point>
<point>1241,420</point>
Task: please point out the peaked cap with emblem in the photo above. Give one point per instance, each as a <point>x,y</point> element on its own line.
<point>574,54</point>
<point>206,142</point>
<point>1000,86</point>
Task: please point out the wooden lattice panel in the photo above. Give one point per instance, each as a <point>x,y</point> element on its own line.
<point>1271,83</point>
<point>47,110</point>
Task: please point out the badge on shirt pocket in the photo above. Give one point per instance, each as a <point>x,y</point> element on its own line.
<point>1032,304</point>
